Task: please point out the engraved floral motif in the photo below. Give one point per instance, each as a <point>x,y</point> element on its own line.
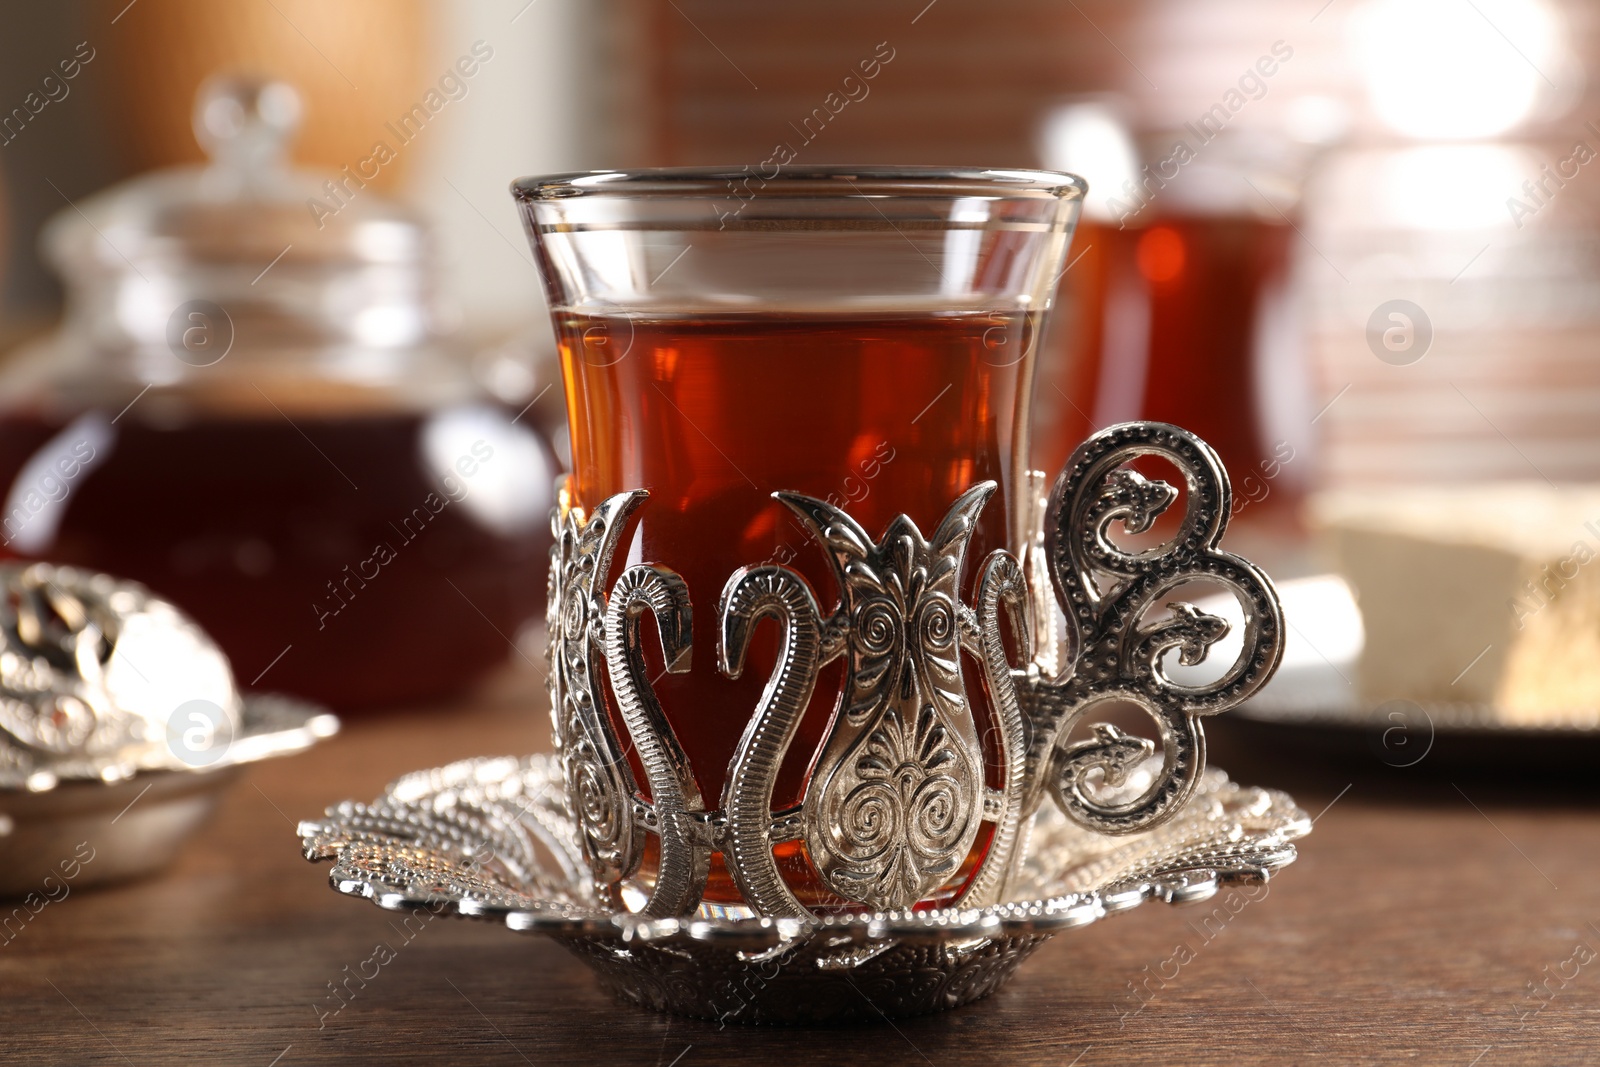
<point>902,619</point>
<point>600,808</point>
<point>598,781</point>
<point>897,795</point>
<point>896,830</point>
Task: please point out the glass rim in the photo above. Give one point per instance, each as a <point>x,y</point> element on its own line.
<point>812,183</point>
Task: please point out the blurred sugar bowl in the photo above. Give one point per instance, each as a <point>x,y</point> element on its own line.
<point>252,409</point>
<point>120,728</point>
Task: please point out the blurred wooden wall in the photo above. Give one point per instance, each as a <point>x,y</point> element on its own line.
<point>357,65</point>
<point>717,81</point>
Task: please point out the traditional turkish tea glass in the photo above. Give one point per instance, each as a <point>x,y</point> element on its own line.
<point>1181,305</point>
<point>864,338</point>
<point>787,593</point>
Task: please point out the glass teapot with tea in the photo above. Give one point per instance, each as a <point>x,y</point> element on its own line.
<point>251,408</point>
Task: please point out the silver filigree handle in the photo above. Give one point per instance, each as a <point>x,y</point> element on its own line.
<point>1106,592</point>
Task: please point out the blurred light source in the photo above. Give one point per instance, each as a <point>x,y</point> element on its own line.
<point>1089,140</point>
<point>489,465</point>
<point>1449,187</point>
<point>1160,254</point>
<point>389,325</point>
<point>1455,69</point>
<point>1315,119</point>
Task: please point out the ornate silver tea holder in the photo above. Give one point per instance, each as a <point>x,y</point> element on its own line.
<point>897,797</point>
<point>120,725</point>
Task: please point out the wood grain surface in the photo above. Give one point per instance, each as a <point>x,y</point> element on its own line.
<point>1423,907</point>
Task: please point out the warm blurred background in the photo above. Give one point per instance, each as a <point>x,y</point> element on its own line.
<point>1429,134</point>
<point>1350,242</point>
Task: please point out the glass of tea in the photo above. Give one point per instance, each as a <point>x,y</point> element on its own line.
<point>863,338</point>
<point>1181,306</point>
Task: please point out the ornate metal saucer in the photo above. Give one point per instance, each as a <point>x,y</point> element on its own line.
<point>120,725</point>
<point>490,839</point>
<point>1082,823</point>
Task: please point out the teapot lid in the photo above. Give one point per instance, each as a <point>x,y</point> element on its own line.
<point>247,207</point>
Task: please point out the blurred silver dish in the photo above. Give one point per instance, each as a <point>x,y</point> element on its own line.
<point>120,724</point>
<point>134,826</point>
<point>491,839</point>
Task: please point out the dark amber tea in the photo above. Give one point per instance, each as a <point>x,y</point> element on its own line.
<point>305,548</point>
<point>1176,321</point>
<point>877,413</point>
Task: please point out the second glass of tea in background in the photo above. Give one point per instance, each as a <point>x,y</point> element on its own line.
<point>1178,305</point>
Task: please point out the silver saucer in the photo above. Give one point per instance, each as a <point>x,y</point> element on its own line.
<point>490,839</point>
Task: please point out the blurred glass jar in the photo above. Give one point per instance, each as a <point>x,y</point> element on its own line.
<point>250,408</point>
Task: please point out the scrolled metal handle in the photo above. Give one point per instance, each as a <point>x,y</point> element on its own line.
<point>1106,592</point>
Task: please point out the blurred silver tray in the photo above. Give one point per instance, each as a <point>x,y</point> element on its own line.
<point>1315,686</point>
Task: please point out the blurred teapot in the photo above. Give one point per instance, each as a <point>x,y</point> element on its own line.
<point>251,408</point>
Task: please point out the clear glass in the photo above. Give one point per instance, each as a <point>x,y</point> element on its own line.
<point>862,336</point>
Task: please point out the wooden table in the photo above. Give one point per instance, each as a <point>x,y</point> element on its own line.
<point>1421,909</point>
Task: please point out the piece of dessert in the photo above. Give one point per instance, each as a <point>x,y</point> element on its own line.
<point>1484,593</point>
